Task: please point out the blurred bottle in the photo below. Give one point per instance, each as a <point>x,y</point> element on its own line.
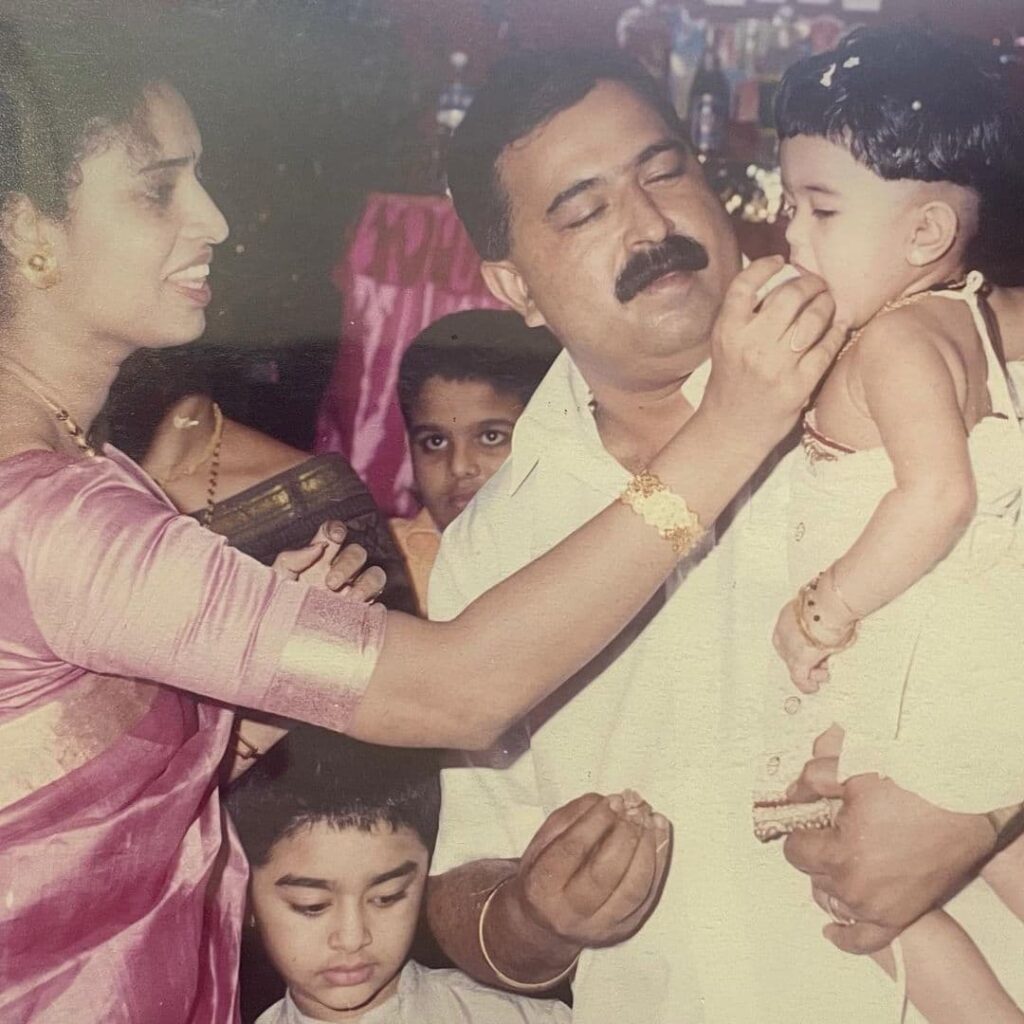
<point>452,103</point>
<point>644,31</point>
<point>709,102</point>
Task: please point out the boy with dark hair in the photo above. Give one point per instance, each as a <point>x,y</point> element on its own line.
<point>462,385</point>
<point>339,836</point>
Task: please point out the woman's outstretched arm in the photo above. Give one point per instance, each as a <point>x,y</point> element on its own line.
<point>461,683</point>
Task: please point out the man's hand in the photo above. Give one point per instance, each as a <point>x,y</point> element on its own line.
<point>324,562</point>
<point>593,871</point>
<point>890,857</point>
<point>768,356</point>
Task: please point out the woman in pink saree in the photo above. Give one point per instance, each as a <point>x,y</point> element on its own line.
<point>129,634</point>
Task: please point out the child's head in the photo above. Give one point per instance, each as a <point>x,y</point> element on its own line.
<point>339,836</point>
<point>900,151</point>
<point>462,384</point>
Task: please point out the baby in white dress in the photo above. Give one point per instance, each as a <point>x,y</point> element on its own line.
<point>900,152</point>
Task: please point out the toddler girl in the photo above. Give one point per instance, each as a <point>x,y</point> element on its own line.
<point>899,156</point>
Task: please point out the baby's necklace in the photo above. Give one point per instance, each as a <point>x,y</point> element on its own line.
<point>888,307</point>
<point>78,435</point>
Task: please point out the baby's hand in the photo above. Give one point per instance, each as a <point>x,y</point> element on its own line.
<point>807,664</point>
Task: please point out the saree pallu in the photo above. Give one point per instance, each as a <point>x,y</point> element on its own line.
<point>121,881</point>
<point>114,876</point>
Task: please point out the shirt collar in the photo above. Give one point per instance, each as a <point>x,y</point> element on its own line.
<point>559,419</point>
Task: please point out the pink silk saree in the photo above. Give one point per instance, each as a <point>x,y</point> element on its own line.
<point>121,883</point>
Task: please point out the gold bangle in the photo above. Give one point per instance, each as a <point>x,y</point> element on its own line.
<point>244,749</point>
<point>666,511</point>
<point>801,603</point>
<point>519,986</point>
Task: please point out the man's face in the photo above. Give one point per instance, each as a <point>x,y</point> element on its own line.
<point>461,432</point>
<point>593,193</point>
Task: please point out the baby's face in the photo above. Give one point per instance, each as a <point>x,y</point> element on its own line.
<point>847,225</point>
<point>336,910</point>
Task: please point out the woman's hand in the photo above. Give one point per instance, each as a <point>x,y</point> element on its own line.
<point>807,664</point>
<point>325,562</point>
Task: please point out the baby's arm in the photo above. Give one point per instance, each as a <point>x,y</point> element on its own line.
<point>909,391</point>
<point>948,979</point>
<point>900,379</point>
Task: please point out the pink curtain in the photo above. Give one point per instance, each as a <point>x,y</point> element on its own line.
<point>410,262</point>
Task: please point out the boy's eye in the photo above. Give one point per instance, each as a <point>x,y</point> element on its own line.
<point>824,214</point>
<point>433,442</point>
<point>390,899</point>
<point>309,909</point>
<point>493,438</point>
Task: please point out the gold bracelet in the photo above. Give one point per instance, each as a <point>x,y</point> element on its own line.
<point>666,511</point>
<point>244,749</point>
<point>519,986</point>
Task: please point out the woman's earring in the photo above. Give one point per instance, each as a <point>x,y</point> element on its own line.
<point>42,269</point>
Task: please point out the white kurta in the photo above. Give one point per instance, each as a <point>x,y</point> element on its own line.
<point>673,709</point>
<point>438,997</point>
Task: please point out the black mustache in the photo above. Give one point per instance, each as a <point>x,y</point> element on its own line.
<point>677,252</point>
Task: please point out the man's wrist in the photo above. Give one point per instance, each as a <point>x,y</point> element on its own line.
<point>517,944</point>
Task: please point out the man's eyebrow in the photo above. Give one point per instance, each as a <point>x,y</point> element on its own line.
<point>569,193</point>
<point>656,148</point>
<point>162,165</point>
<point>821,190</point>
<point>301,881</point>
<point>406,868</point>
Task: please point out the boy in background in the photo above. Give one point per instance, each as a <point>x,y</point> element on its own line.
<point>462,384</point>
<point>339,836</point>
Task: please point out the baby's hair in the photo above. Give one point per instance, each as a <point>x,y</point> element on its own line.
<point>489,345</point>
<point>316,776</point>
<point>918,105</point>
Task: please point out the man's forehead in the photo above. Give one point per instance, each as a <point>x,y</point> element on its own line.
<point>609,127</point>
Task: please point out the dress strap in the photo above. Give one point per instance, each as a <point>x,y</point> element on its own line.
<point>1001,390</point>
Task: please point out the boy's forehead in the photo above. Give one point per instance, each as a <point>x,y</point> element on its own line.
<point>343,857</point>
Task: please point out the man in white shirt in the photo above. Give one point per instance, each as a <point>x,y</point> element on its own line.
<point>593,218</point>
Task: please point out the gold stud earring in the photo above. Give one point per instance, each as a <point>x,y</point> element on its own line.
<point>43,269</point>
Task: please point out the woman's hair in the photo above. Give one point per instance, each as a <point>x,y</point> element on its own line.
<point>67,88</point>
<point>314,776</point>
<point>918,105</point>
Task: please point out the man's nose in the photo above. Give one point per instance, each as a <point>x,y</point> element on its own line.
<point>648,223</point>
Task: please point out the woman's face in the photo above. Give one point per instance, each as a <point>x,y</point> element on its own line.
<point>134,251</point>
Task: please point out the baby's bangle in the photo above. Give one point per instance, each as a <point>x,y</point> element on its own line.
<point>807,618</point>
<point>519,986</point>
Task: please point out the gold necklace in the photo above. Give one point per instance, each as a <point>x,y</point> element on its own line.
<point>78,435</point>
<point>211,487</point>
<point>905,300</point>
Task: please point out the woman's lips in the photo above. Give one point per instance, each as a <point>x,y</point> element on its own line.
<point>192,282</point>
<point>198,293</point>
<point>347,977</point>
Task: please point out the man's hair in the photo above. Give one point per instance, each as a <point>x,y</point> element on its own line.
<point>912,104</point>
<point>489,345</point>
<point>315,776</point>
<point>521,94</point>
